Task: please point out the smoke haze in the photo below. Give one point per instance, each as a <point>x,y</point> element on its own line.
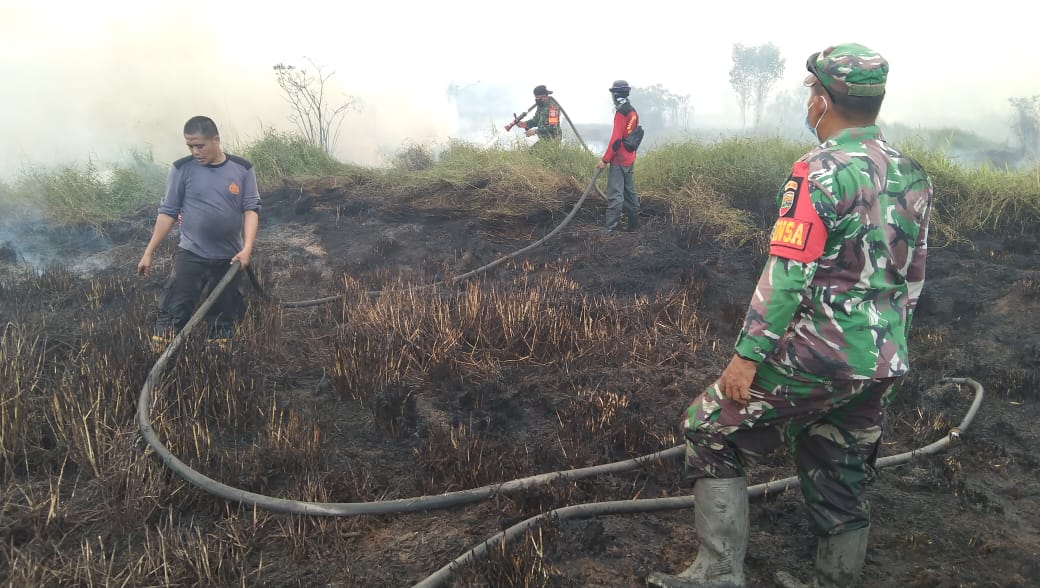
<point>83,80</point>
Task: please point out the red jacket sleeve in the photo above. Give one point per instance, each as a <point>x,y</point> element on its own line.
<point>614,145</point>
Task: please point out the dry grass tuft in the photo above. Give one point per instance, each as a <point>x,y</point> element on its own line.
<point>523,564</point>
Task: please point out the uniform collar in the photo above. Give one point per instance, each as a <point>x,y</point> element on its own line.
<point>855,135</point>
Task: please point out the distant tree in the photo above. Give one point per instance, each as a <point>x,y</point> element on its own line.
<point>316,114</point>
<point>755,71</point>
<point>740,80</point>
<point>683,111</point>
<point>1025,123</point>
<point>660,108</point>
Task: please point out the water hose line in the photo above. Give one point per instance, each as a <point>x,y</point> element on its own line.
<point>460,497</point>
<point>421,503</point>
<point>595,509</point>
<point>350,509</point>
<point>574,211</point>
<point>415,504</point>
<point>566,221</point>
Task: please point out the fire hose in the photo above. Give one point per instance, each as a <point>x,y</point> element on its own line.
<point>566,221</point>
<point>574,211</point>
<point>456,498</point>
<point>595,509</point>
<point>350,509</point>
<point>433,502</point>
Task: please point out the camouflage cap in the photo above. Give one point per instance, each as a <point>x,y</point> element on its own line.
<point>850,69</point>
<point>541,91</point>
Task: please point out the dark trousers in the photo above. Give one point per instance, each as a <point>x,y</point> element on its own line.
<point>621,193</point>
<point>181,292</point>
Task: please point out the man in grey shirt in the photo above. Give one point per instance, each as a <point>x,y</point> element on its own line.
<point>215,198</point>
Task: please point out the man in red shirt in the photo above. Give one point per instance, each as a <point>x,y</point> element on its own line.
<point>621,188</point>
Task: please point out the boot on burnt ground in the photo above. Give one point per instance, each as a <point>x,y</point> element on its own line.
<point>721,518</point>
<point>839,561</point>
<point>633,222</point>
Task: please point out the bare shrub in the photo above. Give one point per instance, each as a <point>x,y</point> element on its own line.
<point>413,157</point>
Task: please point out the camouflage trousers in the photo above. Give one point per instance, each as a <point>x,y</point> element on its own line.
<point>833,428</point>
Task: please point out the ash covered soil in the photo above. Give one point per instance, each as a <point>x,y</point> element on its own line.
<point>969,516</point>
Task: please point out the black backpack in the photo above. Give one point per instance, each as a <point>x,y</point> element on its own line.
<point>632,141</point>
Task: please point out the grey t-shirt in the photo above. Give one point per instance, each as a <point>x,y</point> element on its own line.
<point>212,201</point>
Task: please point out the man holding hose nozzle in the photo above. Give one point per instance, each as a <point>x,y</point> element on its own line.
<point>825,336</point>
<point>621,188</point>
<point>546,119</point>
<point>215,195</point>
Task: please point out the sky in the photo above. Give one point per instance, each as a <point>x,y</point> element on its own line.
<point>90,80</point>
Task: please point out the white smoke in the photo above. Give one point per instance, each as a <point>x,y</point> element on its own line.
<point>32,244</point>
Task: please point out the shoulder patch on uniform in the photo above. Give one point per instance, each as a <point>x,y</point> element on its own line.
<point>626,109</point>
<point>790,192</point>
<point>240,161</point>
<point>799,233</point>
<point>177,164</point>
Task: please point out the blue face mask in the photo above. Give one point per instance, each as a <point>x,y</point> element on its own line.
<point>813,129</point>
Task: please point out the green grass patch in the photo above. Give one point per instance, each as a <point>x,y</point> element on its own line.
<point>984,199</point>
<point>706,212</point>
<point>276,156</point>
<point>745,171</point>
<point>726,187</point>
<point>496,183</point>
<point>737,166</point>
<point>86,193</point>
<point>520,167</point>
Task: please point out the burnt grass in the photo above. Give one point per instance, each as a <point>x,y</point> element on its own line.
<point>585,351</point>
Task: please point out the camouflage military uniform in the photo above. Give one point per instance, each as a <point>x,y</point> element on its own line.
<point>828,325</point>
<point>547,120</point>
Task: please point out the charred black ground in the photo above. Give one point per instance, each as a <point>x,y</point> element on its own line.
<point>584,352</point>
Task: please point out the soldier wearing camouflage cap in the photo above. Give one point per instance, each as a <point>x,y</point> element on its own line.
<point>825,336</point>
<point>546,120</point>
